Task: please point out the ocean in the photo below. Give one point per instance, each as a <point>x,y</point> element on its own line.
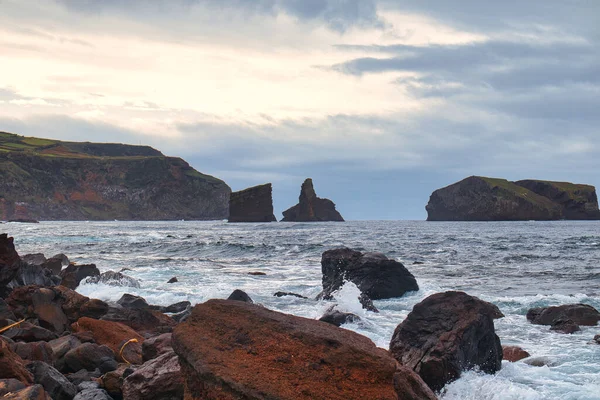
<point>515,265</point>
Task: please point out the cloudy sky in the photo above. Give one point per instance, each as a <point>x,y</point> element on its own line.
<point>379,101</point>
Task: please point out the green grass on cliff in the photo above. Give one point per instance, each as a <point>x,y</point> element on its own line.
<point>519,191</point>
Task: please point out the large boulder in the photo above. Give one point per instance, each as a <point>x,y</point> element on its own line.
<point>141,320</point>
<point>113,335</point>
<point>27,332</point>
<point>75,273</point>
<point>311,208</point>
<point>34,351</point>
<point>580,314</point>
<point>254,204</point>
<point>446,334</point>
<point>376,276</point>
<point>9,260</point>
<point>90,356</point>
<point>60,347</point>
<point>112,278</point>
<point>231,349</point>
<point>156,346</point>
<point>34,275</point>
<point>158,379</point>
<point>12,366</point>
<point>132,301</point>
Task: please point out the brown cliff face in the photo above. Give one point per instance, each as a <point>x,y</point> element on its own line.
<point>254,204</point>
<point>53,180</point>
<point>311,208</point>
<point>489,199</point>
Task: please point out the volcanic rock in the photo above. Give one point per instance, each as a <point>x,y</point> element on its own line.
<point>34,351</point>
<point>114,335</point>
<point>158,379</point>
<point>282,294</point>
<point>311,208</point>
<point>141,320</point>
<point>580,314</point>
<point>173,280</point>
<point>92,394</point>
<point>90,356</point>
<point>9,260</point>
<point>254,204</point>
<point>112,381</point>
<point>564,325</point>
<point>231,349</point>
<point>376,276</point>
<point>479,198</point>
<point>240,295</point>
<point>5,311</point>
<point>446,334</point>
<point>338,318</point>
<point>34,259</point>
<point>513,353</point>
<point>75,273</point>
<point>10,385</point>
<point>132,301</point>
<point>64,260</point>
<point>113,278</point>
<point>27,332</point>
<point>156,346</point>
<point>597,339</point>
<point>12,366</point>
<point>62,346</point>
<point>55,384</point>
<point>28,274</point>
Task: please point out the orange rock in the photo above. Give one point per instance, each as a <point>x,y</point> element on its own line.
<point>231,349</point>
<point>114,335</point>
<point>513,353</point>
<point>13,366</point>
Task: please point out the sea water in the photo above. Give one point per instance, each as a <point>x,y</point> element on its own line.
<point>515,265</point>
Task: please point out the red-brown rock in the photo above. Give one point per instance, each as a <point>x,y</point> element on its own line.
<point>580,314</point>
<point>113,335</point>
<point>231,350</point>
<point>13,366</point>
<point>446,334</point>
<point>156,346</point>
<point>513,353</point>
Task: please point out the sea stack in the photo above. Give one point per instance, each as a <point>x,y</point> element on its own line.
<point>254,204</point>
<point>479,198</point>
<point>311,208</point>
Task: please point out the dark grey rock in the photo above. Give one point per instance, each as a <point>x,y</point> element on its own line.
<point>240,295</point>
<point>57,386</point>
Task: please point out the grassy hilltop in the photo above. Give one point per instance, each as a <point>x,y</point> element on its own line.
<point>55,180</point>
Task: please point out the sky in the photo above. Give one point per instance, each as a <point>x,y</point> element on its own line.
<point>381,102</point>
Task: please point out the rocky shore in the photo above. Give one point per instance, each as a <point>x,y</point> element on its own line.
<point>58,344</point>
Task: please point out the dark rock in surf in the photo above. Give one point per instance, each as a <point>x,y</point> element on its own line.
<point>446,334</point>
<point>597,339</point>
<point>113,278</point>
<point>132,301</point>
<point>173,280</point>
<point>282,294</point>
<point>34,259</point>
<point>240,295</point>
<point>254,204</point>
<point>580,314</point>
<point>338,318</point>
<point>74,274</point>
<point>311,208</point>
<point>514,353</point>
<point>563,325</point>
<point>25,220</point>
<point>374,274</point>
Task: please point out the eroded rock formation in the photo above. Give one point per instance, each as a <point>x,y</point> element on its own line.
<point>254,204</point>
<point>311,208</point>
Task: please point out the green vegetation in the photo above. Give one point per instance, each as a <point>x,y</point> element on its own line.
<point>514,189</point>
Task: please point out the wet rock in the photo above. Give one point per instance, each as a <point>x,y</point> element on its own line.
<point>254,204</point>
<point>93,394</point>
<point>141,320</point>
<point>9,259</point>
<point>12,366</point>
<point>338,318</point>
<point>10,385</point>
<point>156,346</point>
<point>232,349</point>
<point>178,307</point>
<point>376,276</point>
<point>35,392</point>
<point>157,379</point>
<point>132,301</point>
<point>240,295</point>
<point>64,260</point>
<point>311,208</point>
<point>34,259</point>
<point>74,274</point>
<point>580,314</point>
<point>54,383</point>
<point>282,294</point>
<point>513,353</point>
<point>597,339</point>
<point>182,316</point>
<point>540,362</point>
<point>113,278</point>
<point>24,220</point>
<point>564,325</point>
<point>28,274</point>
<point>27,332</point>
<point>34,351</point>
<point>256,273</point>
<point>90,356</point>
<point>446,334</point>
<point>54,265</point>
<point>173,280</point>
<point>114,335</point>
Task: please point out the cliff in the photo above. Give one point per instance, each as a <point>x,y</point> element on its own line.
<point>54,180</point>
<point>311,208</point>
<point>490,199</point>
<point>254,204</point>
